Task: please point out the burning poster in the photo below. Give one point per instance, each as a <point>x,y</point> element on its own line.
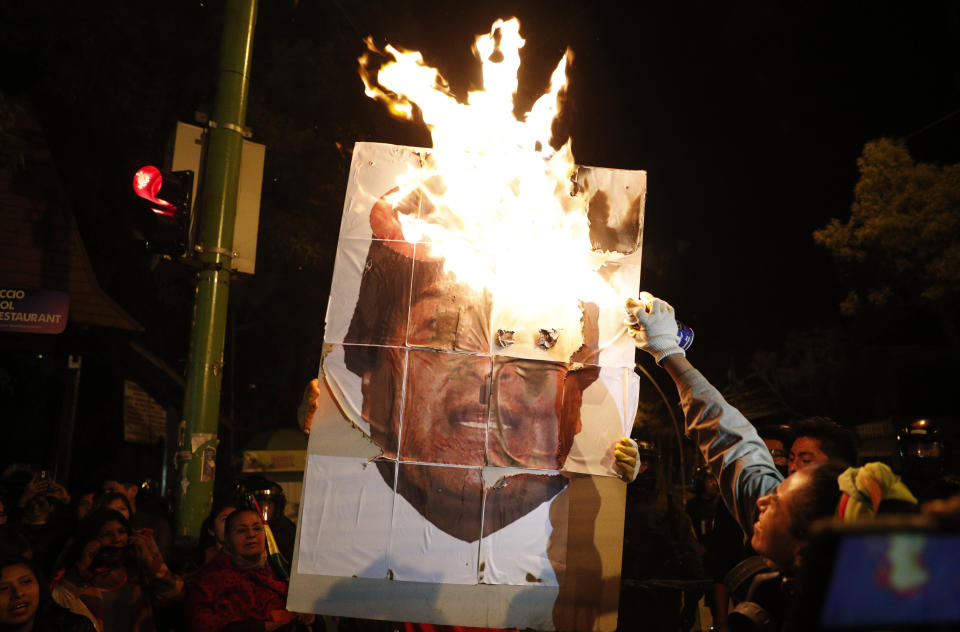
<point>476,376</point>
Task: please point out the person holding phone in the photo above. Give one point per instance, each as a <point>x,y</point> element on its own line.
<point>44,520</point>
<point>118,574</point>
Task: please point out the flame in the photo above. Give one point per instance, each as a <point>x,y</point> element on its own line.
<point>494,188</point>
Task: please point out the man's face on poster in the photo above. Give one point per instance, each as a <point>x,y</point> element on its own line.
<point>445,408</point>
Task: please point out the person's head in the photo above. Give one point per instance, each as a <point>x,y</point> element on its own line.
<point>873,489</point>
<point>123,481</point>
<point>460,409</point>
<point>788,513</point>
<point>114,533</point>
<point>217,522</point>
<point>820,440</point>
<point>38,510</point>
<point>383,316</point>
<point>115,501</point>
<point>244,535</point>
<point>777,438</point>
<point>22,591</point>
<point>268,494</point>
<point>84,503</point>
<point>110,529</point>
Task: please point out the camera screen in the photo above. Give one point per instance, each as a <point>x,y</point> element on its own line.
<point>906,578</point>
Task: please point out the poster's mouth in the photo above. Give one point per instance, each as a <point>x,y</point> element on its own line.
<point>471,417</point>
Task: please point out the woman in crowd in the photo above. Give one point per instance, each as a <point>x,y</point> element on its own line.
<point>113,501</point>
<point>213,532</point>
<point>238,590</point>
<point>26,605</point>
<point>117,574</point>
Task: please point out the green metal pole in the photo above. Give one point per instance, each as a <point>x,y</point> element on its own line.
<point>217,207</point>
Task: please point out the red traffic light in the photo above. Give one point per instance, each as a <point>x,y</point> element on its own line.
<point>147,183</point>
<point>167,227</point>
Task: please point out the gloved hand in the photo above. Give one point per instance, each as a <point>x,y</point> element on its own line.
<point>309,405</point>
<point>626,452</point>
<point>653,325</point>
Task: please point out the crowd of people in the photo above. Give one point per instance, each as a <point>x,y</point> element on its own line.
<point>99,560</point>
<point>757,501</point>
<point>102,558</point>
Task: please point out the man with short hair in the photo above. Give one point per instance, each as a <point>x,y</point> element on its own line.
<point>819,440</point>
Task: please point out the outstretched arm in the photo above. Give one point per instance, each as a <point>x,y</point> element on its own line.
<point>729,443</point>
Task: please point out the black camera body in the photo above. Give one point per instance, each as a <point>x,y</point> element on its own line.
<point>761,596</point>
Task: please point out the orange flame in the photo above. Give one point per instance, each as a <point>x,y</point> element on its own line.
<point>494,186</point>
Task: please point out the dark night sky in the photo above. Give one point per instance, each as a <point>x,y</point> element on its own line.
<point>748,117</point>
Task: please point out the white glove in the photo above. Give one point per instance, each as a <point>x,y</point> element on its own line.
<point>653,325</point>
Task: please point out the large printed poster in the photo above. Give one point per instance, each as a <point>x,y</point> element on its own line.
<point>460,470</point>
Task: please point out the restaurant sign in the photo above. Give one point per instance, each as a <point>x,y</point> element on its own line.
<point>33,311</point>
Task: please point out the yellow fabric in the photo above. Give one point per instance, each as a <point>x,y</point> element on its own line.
<point>867,486</point>
<point>272,548</point>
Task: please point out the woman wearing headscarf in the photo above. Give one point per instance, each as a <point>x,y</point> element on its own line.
<point>238,590</point>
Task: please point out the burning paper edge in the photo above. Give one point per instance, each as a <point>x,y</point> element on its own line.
<point>490,605</point>
<point>392,159</point>
<point>614,348</point>
<point>627,192</point>
<point>368,182</point>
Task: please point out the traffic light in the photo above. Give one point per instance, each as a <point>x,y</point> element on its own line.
<point>166,222</point>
